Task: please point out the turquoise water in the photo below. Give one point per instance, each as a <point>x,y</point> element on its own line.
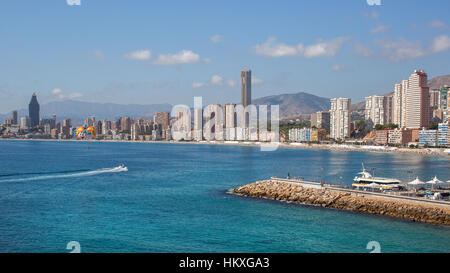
<point>173,199</point>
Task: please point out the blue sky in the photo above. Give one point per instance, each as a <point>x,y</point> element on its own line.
<point>170,51</point>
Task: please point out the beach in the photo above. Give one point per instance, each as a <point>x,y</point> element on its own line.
<point>332,147</point>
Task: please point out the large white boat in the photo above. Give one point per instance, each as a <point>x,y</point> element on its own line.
<point>367,181</point>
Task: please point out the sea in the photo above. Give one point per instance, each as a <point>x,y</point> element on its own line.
<point>173,198</point>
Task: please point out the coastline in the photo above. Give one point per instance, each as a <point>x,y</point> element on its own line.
<point>415,211</point>
<point>331,147</point>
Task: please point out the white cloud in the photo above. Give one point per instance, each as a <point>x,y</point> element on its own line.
<point>401,50</point>
<point>256,81</point>
<point>339,67</point>
<point>61,95</point>
<point>231,83</point>
<point>197,84</point>
<point>438,24</point>
<point>141,55</point>
<point>182,57</point>
<point>216,38</point>
<point>57,91</point>
<point>440,44</point>
<point>216,80</point>
<point>98,54</point>
<point>363,50</point>
<point>322,48</point>
<point>207,60</point>
<point>380,28</point>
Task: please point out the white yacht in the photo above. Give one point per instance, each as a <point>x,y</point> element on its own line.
<point>367,181</point>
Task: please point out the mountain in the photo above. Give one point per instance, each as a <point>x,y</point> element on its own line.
<point>294,105</point>
<point>438,82</point>
<point>79,110</point>
<point>291,105</point>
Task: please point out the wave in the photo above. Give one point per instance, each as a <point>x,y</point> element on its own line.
<point>68,175</point>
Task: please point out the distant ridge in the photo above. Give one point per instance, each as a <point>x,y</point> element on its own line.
<point>438,82</point>
<point>79,110</point>
<point>291,105</point>
<point>294,105</point>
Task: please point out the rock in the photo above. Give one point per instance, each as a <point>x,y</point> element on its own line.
<point>282,191</point>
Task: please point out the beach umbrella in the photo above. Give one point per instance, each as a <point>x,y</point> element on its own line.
<point>434,181</point>
<point>416,182</point>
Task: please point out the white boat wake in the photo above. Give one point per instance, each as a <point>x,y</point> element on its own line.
<point>79,174</point>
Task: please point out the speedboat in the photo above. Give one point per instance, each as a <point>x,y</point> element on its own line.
<point>122,167</point>
<point>367,181</point>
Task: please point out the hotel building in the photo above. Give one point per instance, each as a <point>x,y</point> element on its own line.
<point>340,118</point>
<point>379,109</point>
<point>417,101</point>
<point>321,119</point>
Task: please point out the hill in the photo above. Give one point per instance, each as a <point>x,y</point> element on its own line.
<point>294,105</point>
<point>438,82</point>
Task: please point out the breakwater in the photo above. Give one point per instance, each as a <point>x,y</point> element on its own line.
<point>359,202</point>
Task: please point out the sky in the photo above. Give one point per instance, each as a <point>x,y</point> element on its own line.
<point>148,52</point>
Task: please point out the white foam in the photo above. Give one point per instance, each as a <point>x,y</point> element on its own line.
<point>79,174</point>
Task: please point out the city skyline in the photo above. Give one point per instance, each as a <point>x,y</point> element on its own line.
<point>363,52</point>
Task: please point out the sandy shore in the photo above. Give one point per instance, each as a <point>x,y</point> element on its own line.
<point>332,147</point>
<point>329,198</point>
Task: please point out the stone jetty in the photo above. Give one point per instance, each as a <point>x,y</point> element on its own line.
<point>330,198</point>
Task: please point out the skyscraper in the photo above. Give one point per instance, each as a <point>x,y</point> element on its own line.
<point>14,117</point>
<point>33,111</point>
<point>246,87</point>
<point>379,109</point>
<point>397,105</point>
<point>417,101</point>
<point>321,119</point>
<point>340,118</point>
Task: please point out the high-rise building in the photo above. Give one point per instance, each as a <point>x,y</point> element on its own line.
<point>215,129</point>
<point>33,111</point>
<point>163,119</point>
<point>230,120</point>
<point>379,109</point>
<point>90,121</point>
<point>443,137</point>
<point>246,87</point>
<point>181,127</point>
<point>405,84</point>
<point>125,124</point>
<point>417,101</point>
<point>397,105</point>
<point>198,124</point>
<point>14,117</point>
<point>340,118</point>
<point>106,127</point>
<point>444,103</point>
<point>24,122</point>
<point>321,119</point>
<point>246,93</point>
